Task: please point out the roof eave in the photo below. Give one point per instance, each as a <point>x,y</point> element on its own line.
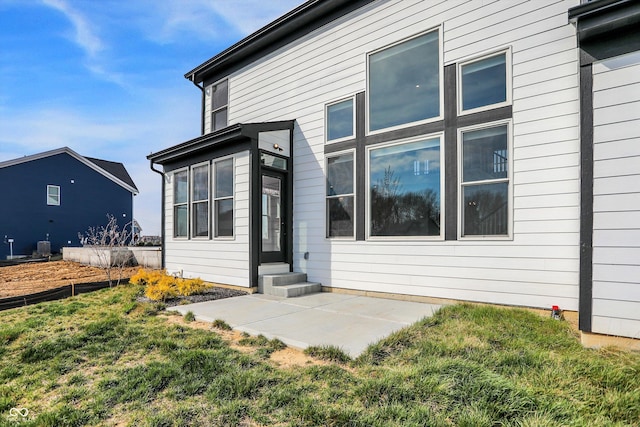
<point>230,134</point>
<point>305,17</point>
<point>75,155</point>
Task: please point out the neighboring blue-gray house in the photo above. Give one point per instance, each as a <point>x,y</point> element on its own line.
<point>57,194</point>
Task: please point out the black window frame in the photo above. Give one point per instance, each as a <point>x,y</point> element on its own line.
<point>337,196</point>
<point>182,204</point>
<point>219,109</point>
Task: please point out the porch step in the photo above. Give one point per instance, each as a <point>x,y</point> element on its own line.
<point>287,285</point>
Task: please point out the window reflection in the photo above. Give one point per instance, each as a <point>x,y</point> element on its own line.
<point>484,82</point>
<point>340,120</point>
<point>404,82</point>
<point>404,193</point>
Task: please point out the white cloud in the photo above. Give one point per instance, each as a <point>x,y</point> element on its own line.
<point>251,15</point>
<point>83,35</point>
<point>167,20</point>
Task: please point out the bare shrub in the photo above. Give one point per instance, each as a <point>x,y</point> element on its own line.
<point>109,244</point>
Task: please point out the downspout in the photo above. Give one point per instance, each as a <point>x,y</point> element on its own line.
<point>192,79</point>
<point>162,215</point>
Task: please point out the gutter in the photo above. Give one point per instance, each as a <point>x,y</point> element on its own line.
<point>192,80</point>
<point>162,215</point>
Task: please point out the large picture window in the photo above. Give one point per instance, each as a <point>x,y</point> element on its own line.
<point>404,82</point>
<point>340,120</point>
<point>180,204</point>
<point>223,195</point>
<point>340,195</point>
<point>484,82</point>
<point>485,181</point>
<point>405,189</point>
<point>219,102</point>
<point>200,201</point>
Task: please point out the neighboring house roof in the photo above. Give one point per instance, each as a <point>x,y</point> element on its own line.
<point>114,171</point>
<point>114,168</point>
<point>300,21</point>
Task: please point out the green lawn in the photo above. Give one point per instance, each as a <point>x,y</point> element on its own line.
<point>103,359</point>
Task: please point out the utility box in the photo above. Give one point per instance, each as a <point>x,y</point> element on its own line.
<point>44,248</point>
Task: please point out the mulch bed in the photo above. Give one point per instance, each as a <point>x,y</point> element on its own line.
<point>210,294</point>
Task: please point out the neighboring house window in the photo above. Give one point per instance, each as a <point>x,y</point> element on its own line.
<point>340,120</point>
<point>200,201</point>
<point>484,82</point>
<point>180,204</point>
<point>219,102</point>
<point>223,196</point>
<point>404,82</point>
<point>53,195</point>
<point>340,195</point>
<point>405,189</point>
<point>484,184</point>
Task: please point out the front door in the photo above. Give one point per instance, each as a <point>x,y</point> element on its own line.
<point>274,221</point>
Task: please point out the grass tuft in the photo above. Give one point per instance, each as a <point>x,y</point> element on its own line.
<point>221,324</point>
<point>189,316</point>
<point>329,353</point>
<point>265,346</point>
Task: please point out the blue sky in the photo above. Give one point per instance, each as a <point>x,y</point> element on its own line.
<point>105,77</point>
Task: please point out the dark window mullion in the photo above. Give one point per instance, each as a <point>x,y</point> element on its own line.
<point>450,214</point>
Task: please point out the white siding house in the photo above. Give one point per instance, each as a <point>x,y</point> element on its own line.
<point>425,148</point>
<point>616,196</point>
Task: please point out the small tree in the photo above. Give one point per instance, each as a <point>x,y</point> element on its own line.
<point>109,244</point>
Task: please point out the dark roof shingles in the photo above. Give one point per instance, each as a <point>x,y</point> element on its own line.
<point>114,168</point>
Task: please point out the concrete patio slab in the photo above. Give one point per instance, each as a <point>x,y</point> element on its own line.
<point>349,322</point>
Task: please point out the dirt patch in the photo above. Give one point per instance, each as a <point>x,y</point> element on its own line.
<point>35,277</point>
<point>287,358</point>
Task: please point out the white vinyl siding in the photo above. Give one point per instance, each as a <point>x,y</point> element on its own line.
<point>540,265</point>
<point>616,204</point>
<point>218,261</point>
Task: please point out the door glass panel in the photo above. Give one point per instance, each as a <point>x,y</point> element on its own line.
<point>271,213</point>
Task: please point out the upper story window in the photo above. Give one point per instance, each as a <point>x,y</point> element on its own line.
<point>223,197</point>
<point>181,203</point>
<point>53,195</point>
<point>219,103</point>
<point>405,187</point>
<point>485,181</point>
<point>200,201</point>
<point>404,82</point>
<point>340,118</point>
<point>340,195</point>
<point>484,83</point>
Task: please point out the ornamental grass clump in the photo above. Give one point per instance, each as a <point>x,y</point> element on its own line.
<point>160,286</point>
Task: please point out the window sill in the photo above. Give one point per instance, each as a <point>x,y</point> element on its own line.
<point>404,125</point>
<point>396,239</point>
<point>341,239</point>
<point>344,139</point>
<point>484,108</point>
<point>487,238</point>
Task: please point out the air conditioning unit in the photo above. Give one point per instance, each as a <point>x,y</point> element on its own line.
<point>44,248</point>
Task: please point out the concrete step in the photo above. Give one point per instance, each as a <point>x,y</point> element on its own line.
<point>287,285</point>
<point>295,289</point>
<point>282,279</point>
